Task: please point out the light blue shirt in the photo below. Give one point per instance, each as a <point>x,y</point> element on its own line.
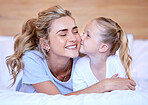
<point>36,71</point>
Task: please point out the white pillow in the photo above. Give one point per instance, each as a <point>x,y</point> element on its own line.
<point>6,46</point>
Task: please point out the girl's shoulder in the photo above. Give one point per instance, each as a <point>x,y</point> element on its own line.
<point>83,60</point>
<point>113,58</point>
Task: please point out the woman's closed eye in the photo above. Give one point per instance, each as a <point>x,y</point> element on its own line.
<point>75,31</point>
<point>63,34</point>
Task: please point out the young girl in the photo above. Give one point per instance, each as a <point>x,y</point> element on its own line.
<point>101,39</point>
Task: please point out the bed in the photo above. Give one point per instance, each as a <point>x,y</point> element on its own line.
<point>139,72</point>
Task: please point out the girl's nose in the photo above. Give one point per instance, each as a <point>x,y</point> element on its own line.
<point>82,37</point>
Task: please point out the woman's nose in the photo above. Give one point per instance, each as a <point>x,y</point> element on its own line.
<point>72,38</point>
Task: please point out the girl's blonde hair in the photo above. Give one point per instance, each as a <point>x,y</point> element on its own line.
<point>116,37</point>
<point>32,30</point>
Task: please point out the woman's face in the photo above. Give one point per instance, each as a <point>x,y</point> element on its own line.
<point>90,39</point>
<point>64,38</point>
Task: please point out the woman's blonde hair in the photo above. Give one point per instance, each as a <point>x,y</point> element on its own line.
<point>32,30</point>
<point>116,37</point>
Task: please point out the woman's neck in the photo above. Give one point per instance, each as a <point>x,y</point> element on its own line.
<point>58,64</point>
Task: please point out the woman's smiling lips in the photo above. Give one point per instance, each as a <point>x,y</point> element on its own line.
<point>71,46</point>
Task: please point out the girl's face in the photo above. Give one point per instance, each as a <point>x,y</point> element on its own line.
<point>90,39</point>
<point>64,38</point>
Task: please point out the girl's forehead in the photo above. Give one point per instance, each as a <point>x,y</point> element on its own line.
<point>92,25</point>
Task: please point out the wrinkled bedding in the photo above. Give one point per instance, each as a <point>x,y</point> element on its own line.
<point>118,97</point>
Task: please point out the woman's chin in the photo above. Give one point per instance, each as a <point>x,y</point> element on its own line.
<point>74,55</point>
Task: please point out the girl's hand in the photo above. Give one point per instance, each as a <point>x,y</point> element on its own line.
<point>118,84</point>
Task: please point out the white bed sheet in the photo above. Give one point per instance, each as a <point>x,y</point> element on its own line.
<point>118,97</point>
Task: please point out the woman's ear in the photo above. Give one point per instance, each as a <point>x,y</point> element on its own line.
<point>44,44</point>
<point>103,47</point>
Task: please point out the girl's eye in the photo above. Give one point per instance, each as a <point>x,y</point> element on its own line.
<point>88,35</point>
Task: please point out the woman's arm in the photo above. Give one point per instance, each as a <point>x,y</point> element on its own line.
<point>46,87</point>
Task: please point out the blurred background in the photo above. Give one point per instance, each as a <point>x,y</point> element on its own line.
<point>132,15</point>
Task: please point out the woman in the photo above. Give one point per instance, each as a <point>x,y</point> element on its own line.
<point>47,50</point>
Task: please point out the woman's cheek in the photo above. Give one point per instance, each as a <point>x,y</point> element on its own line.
<point>79,38</point>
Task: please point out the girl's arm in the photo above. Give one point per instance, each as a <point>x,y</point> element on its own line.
<point>108,85</point>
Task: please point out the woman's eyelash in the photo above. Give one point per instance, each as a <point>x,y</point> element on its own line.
<point>75,31</point>
<point>66,34</point>
<point>63,35</point>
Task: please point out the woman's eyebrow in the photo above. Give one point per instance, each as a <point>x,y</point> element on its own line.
<point>66,29</point>
<point>75,27</point>
<point>62,30</point>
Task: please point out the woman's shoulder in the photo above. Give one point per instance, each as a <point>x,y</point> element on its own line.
<point>34,54</point>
